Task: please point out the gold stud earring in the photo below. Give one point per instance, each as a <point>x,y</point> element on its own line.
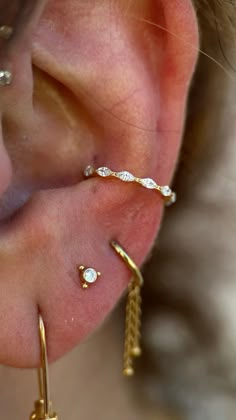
<point>88,276</point>
<point>132,347</point>
<point>6,32</point>
<point>43,407</point>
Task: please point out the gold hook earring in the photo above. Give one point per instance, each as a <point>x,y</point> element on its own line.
<point>43,407</point>
<point>132,348</point>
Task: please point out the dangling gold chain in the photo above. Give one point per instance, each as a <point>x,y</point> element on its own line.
<point>132,348</point>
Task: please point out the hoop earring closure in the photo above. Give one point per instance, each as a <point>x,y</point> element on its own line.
<point>138,278</point>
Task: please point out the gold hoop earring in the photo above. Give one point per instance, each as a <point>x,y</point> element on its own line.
<point>43,406</point>
<point>132,348</point>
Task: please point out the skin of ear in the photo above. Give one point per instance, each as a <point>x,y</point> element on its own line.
<point>108,86</point>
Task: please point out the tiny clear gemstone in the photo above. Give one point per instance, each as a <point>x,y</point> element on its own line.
<point>5,77</point>
<point>148,183</point>
<point>173,198</point>
<point>5,32</point>
<point>166,191</point>
<point>125,176</point>
<point>89,171</point>
<point>104,171</point>
<point>90,275</point>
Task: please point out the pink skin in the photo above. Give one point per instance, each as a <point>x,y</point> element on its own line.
<point>108,90</point>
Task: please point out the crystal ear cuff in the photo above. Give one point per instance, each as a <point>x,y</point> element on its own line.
<point>104,172</point>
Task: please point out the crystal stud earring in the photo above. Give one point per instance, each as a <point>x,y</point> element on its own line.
<point>6,32</point>
<point>5,77</point>
<point>88,276</point>
<point>133,321</point>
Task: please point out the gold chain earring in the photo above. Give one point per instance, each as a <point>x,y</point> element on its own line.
<point>132,347</point>
<point>43,407</point>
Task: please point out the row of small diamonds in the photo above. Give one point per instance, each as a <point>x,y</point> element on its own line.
<point>128,177</point>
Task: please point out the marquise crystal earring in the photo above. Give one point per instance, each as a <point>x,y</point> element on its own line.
<point>104,172</point>
<point>43,407</point>
<point>132,347</point>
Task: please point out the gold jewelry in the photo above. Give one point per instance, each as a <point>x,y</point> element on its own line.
<point>132,348</point>
<point>104,172</point>
<point>88,276</point>
<point>6,32</point>
<point>43,407</point>
<point>5,77</point>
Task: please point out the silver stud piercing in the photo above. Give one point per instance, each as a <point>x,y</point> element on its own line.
<point>6,32</point>
<point>88,276</point>
<point>104,172</point>
<point>5,77</point>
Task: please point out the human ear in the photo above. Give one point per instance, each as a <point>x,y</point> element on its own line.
<point>107,89</point>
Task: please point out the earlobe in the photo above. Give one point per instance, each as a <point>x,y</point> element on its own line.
<point>114,98</point>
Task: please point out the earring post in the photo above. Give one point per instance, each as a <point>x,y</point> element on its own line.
<point>43,406</point>
<point>43,371</point>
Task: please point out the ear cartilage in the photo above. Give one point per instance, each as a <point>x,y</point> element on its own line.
<point>6,32</point>
<point>104,172</point>
<point>5,77</point>
<point>88,276</point>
